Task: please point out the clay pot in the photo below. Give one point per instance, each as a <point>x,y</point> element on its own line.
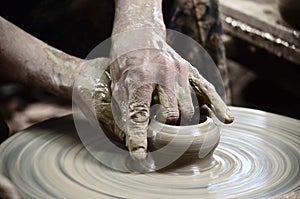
<point>290,11</point>
<point>183,144</point>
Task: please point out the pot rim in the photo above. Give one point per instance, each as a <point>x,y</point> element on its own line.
<point>185,130</point>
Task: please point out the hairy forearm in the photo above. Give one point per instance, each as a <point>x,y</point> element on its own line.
<point>26,59</point>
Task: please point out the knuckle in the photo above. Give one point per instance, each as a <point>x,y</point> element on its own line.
<point>161,58</point>
<point>134,60</point>
<point>138,113</point>
<point>164,62</point>
<point>136,142</point>
<point>179,67</point>
<point>170,114</point>
<point>128,81</point>
<point>126,78</point>
<point>188,111</point>
<point>118,91</point>
<point>115,87</point>
<point>194,71</point>
<point>210,87</point>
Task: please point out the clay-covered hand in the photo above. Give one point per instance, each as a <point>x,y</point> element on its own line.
<point>140,74</point>
<point>7,189</point>
<point>142,66</point>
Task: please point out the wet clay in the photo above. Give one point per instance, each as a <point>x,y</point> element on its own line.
<point>258,157</point>
<point>183,146</point>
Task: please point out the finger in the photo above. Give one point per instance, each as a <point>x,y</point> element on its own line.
<point>138,119</point>
<point>185,103</point>
<point>168,112</point>
<point>119,104</point>
<point>7,189</point>
<point>211,97</point>
<point>184,95</point>
<point>205,110</point>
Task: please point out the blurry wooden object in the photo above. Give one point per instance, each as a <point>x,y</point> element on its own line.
<point>290,11</point>
<point>259,23</point>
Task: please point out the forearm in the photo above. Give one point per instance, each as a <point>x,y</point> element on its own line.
<point>26,59</point>
<point>138,25</point>
<point>137,14</point>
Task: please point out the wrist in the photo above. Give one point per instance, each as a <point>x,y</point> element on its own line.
<point>139,14</point>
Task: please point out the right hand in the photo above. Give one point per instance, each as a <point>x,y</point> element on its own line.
<point>138,74</point>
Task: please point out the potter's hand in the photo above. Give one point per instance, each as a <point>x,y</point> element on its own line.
<point>139,74</point>
<point>7,189</point>
<point>142,63</point>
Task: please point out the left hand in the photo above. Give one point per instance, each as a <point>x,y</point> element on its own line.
<point>7,189</point>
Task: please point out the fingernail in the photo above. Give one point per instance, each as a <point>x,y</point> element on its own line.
<point>229,117</point>
<point>138,154</point>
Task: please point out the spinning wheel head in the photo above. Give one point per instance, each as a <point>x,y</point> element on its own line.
<point>258,157</point>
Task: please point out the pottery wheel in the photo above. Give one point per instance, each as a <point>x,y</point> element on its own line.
<point>258,157</point>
